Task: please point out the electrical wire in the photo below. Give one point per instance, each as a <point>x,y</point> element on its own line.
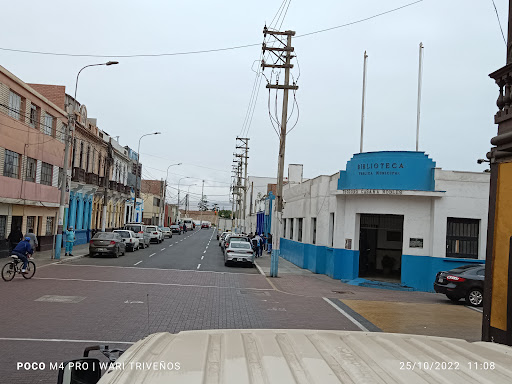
<point>499,22</point>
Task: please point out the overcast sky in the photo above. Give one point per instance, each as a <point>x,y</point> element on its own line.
<point>199,101</point>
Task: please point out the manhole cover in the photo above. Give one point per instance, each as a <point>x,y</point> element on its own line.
<point>344,292</point>
<point>252,292</point>
<point>61,299</point>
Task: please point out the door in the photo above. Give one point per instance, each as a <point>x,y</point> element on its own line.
<point>16,222</point>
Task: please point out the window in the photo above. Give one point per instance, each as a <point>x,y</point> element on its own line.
<point>462,238</point>
<point>34,115</point>
<point>299,230</point>
<point>30,172</point>
<point>49,225</point>
<point>3,226</point>
<point>284,228</point>
<point>12,164</point>
<point>313,230</point>
<point>48,125</point>
<point>81,155</point>
<point>156,201</point>
<point>61,172</point>
<point>331,229</point>
<point>14,105</point>
<point>46,173</point>
<point>291,229</point>
<point>87,161</point>
<point>74,154</point>
<point>30,223</point>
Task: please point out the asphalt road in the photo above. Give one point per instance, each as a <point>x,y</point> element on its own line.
<point>196,250</point>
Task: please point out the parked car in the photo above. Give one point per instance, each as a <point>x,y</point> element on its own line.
<point>466,281</point>
<point>166,232</point>
<point>155,233</point>
<point>175,228</point>
<point>231,236</point>
<point>129,238</point>
<point>239,251</point>
<point>104,243</point>
<point>222,237</point>
<point>141,232</point>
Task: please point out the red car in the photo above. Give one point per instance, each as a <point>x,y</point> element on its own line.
<point>205,225</point>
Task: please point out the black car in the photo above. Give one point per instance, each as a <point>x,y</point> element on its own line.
<point>466,281</point>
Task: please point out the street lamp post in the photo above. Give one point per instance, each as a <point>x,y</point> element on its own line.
<point>63,187</point>
<point>164,195</point>
<point>137,174</point>
<point>179,181</point>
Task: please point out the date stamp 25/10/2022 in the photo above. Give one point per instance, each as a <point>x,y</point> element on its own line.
<point>446,365</point>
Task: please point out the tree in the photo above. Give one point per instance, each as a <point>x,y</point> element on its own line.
<point>225,213</point>
<point>203,204</point>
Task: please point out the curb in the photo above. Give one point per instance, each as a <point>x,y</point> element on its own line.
<point>71,258</point>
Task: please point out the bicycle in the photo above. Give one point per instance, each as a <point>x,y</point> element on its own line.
<point>13,267</point>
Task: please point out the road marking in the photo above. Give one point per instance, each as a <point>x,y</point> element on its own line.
<point>163,249</point>
<point>259,269</point>
<point>171,245</point>
<point>198,265</point>
<point>176,242</point>
<point>153,254</point>
<point>204,251</point>
<point>480,310</point>
<point>357,323</point>
<point>65,340</point>
<point>161,269</point>
<point>202,257</point>
<point>138,263</point>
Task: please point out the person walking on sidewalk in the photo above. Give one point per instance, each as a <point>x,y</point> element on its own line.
<point>70,241</point>
<point>33,239</point>
<point>258,245</point>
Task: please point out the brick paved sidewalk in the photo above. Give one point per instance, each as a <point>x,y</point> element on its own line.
<point>46,257</point>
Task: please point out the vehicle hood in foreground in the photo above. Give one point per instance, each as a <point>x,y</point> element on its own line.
<point>308,356</point>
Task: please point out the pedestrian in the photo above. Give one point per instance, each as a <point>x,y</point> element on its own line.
<point>70,241</point>
<point>14,238</point>
<point>184,228</point>
<point>258,245</point>
<point>269,243</point>
<point>33,239</point>
<point>254,244</point>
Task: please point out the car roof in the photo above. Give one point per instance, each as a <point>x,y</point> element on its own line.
<point>466,268</point>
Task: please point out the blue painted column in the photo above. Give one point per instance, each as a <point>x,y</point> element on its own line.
<point>72,209</point>
<point>80,213</point>
<point>85,222</point>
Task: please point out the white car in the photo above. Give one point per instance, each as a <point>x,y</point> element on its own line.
<point>129,238</point>
<point>222,237</point>
<point>156,234</point>
<point>239,252</point>
<point>166,231</point>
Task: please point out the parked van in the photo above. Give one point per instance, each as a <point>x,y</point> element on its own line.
<point>141,233</point>
<point>189,223</point>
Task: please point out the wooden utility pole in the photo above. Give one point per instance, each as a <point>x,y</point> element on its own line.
<point>287,51</point>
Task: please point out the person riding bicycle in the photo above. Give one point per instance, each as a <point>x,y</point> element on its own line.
<point>21,250</point>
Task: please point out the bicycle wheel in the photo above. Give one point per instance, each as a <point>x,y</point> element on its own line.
<point>8,271</point>
<point>31,270</point>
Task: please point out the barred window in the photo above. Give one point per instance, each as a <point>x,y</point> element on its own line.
<point>49,225</point>
<point>30,223</point>
<point>299,230</point>
<point>46,174</point>
<point>14,105</point>
<point>462,238</point>
<point>3,226</point>
<point>48,125</point>
<point>30,174</point>
<point>12,164</point>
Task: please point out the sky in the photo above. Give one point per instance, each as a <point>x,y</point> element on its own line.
<point>199,101</point>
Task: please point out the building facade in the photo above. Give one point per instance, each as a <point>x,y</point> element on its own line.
<point>390,216</point>
<point>31,160</point>
<point>152,192</point>
<point>134,181</point>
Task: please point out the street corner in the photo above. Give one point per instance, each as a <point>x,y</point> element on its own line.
<point>430,319</point>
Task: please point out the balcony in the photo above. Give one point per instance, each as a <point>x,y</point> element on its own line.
<point>92,178</point>
<point>112,185</point>
<point>127,189</point>
<point>78,174</point>
<point>119,187</point>
<point>101,181</point>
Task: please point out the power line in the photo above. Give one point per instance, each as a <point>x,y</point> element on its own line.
<point>499,22</point>
<point>205,50</point>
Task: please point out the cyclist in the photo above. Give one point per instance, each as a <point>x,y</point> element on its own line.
<point>21,250</point>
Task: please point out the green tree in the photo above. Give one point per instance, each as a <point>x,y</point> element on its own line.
<point>225,213</point>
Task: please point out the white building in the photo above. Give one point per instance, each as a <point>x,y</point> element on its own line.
<point>390,216</point>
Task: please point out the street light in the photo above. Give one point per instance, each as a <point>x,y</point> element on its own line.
<point>162,204</point>
<point>63,187</point>
<point>137,173</point>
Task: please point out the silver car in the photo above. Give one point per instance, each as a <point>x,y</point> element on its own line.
<point>141,233</point>
<point>239,252</point>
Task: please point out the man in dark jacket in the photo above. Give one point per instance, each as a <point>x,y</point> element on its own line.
<point>14,237</point>
<point>21,251</point>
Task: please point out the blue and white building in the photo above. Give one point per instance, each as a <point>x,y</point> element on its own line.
<point>389,218</point>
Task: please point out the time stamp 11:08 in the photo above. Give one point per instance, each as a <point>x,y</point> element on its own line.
<point>446,365</point>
